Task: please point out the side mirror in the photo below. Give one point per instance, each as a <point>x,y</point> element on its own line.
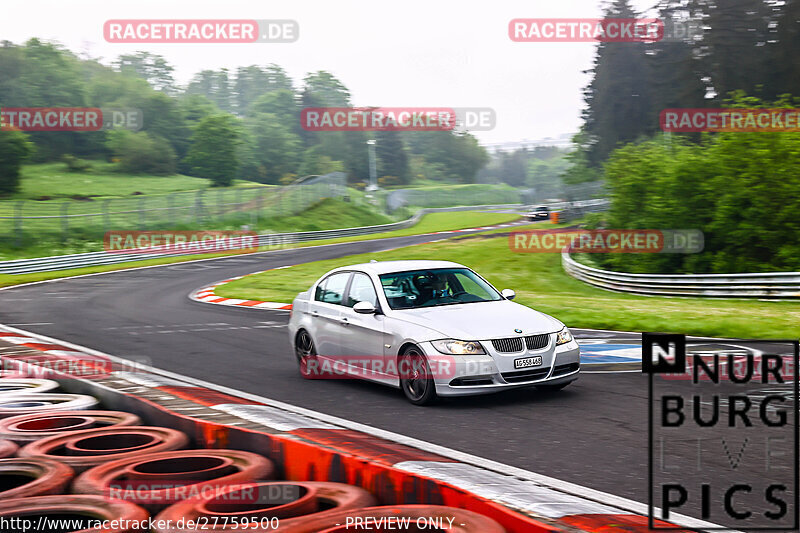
<point>508,294</point>
<point>364,308</point>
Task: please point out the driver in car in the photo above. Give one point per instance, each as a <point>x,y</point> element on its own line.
<point>433,290</point>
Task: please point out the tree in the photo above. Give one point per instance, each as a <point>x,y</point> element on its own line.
<point>253,82</point>
<point>782,60</point>
<point>733,52</point>
<point>282,104</point>
<point>316,164</point>
<point>392,157</point>
<point>14,149</point>
<point>327,89</point>
<point>213,151</point>
<point>214,85</point>
<point>142,153</point>
<point>275,149</point>
<point>152,68</point>
<point>459,154</point>
<point>618,98</point>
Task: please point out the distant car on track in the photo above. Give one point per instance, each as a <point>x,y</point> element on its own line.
<point>431,328</point>
<point>540,212</point>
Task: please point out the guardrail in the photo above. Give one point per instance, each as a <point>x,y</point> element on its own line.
<point>64,262</point>
<point>772,285</point>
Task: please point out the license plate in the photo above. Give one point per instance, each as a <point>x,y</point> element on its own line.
<point>527,362</point>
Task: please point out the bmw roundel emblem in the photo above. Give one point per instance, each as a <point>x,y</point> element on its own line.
<point>517,330</point>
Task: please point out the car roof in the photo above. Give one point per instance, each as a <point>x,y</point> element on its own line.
<point>388,267</point>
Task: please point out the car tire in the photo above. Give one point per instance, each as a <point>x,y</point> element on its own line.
<point>305,351</point>
<point>415,377</point>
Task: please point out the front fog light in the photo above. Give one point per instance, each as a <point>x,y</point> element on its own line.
<point>564,336</point>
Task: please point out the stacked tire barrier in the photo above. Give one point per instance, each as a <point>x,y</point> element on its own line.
<point>93,470</point>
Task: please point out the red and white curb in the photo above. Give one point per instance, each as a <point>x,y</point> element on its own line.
<point>207,295</point>
<point>521,500</point>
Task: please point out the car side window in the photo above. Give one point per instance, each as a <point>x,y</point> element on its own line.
<point>361,290</point>
<point>320,290</point>
<point>332,288</point>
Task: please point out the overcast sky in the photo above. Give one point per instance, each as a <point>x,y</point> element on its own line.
<point>420,53</point>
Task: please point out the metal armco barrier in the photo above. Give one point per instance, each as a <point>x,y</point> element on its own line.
<point>41,477</point>
<point>775,285</point>
<point>65,262</point>
<point>23,429</point>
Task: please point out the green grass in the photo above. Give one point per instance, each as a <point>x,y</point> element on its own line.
<point>541,283</point>
<point>102,181</point>
<point>431,222</point>
<point>329,213</point>
<point>444,195</point>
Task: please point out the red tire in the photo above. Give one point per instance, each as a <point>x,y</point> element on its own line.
<point>27,428</point>
<point>155,480</point>
<point>431,517</point>
<point>33,476</point>
<point>7,448</point>
<point>91,447</point>
<point>88,509</point>
<point>296,501</point>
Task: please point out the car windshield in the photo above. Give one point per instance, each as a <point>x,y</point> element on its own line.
<point>436,287</point>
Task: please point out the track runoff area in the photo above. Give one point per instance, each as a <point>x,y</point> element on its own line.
<point>702,432</point>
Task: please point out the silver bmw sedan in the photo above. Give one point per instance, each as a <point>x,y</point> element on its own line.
<point>431,328</point>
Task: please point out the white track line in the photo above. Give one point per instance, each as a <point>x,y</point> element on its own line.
<point>564,486</point>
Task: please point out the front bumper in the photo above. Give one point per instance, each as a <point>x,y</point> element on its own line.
<point>494,372</point>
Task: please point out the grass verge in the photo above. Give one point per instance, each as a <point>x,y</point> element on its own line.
<point>430,222</point>
<point>541,283</point>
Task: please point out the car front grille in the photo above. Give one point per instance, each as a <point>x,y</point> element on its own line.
<point>525,375</point>
<point>509,345</point>
<point>471,381</point>
<point>515,344</point>
<point>537,342</point>
<point>561,370</point>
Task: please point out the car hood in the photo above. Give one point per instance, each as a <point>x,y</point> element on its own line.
<point>480,320</point>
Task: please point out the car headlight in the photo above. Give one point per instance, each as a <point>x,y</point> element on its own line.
<point>454,347</point>
<point>563,337</point>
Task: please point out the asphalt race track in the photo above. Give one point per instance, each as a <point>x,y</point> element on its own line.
<point>593,433</point>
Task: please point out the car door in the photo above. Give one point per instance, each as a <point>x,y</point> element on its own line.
<point>326,314</point>
<point>363,334</point>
